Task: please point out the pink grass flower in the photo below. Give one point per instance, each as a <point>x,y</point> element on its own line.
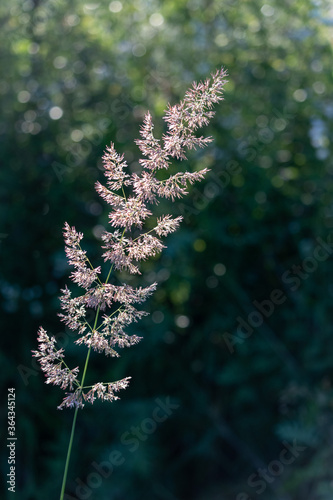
<point>132,198</point>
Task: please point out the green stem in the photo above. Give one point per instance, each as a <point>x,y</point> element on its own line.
<point>68,455</point>
<point>69,451</point>
<point>107,279</point>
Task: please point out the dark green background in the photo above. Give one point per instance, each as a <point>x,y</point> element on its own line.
<point>260,212</point>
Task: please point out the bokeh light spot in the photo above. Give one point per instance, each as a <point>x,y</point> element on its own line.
<point>277,181</point>
<point>139,50</point>
<point>199,245</point>
<point>220,269</point>
<point>156,19</point>
<point>265,162</point>
<point>72,20</point>
<point>77,135</point>
<point>98,230</point>
<point>212,282</point>
<point>56,113</point>
<point>221,40</point>
<point>59,62</point>
<point>238,180</point>
<point>300,95</point>
<point>267,10</point>
<point>115,6</point>
<point>319,87</point>
<point>157,317</point>
<point>23,96</point>
<point>260,197</point>
<point>182,321</point>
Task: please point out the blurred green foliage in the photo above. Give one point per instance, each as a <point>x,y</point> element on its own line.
<point>75,76</point>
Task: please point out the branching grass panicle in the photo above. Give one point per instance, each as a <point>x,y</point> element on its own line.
<point>132,198</point>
